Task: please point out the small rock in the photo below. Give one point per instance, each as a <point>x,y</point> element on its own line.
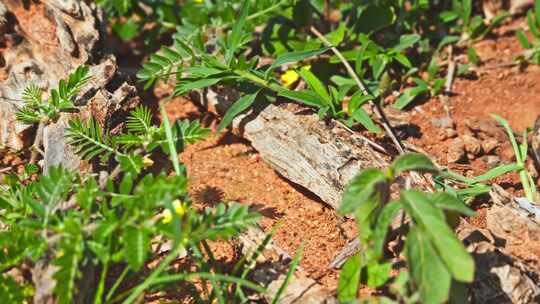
<point>472,146</point>
<point>489,145</point>
<point>447,133</point>
<point>492,161</point>
<point>482,126</point>
<point>445,122</point>
<point>456,151</point>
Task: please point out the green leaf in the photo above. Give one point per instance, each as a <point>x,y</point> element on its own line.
<point>126,30</point>
<point>184,86</point>
<point>378,274</point>
<point>375,17</point>
<point>510,134</point>
<point>537,11</point>
<point>307,97</point>
<point>32,95</point>
<point>405,42</point>
<point>315,84</point>
<point>191,131</point>
<point>349,279</point>
<point>384,220</point>
<point>302,13</point>
<point>496,172</point>
<point>363,118</point>
<point>449,202</point>
<point>139,120</point>
<point>290,274</point>
<point>408,96</point>
<point>523,39</point>
<point>69,255</point>
<point>413,162</point>
<point>432,221</point>
<point>336,37</point>
<point>473,56</point>
<point>235,38</point>
<point>53,188</point>
<point>10,291</point>
<point>136,245</point>
<point>224,222</point>
<point>294,57</point>
<point>531,22</point>
<point>427,270</point>
<point>238,107</point>
<point>88,140</point>
<point>466,11</point>
<point>361,189</point>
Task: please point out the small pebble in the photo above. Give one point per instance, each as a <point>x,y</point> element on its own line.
<point>456,151</point>
<point>492,161</point>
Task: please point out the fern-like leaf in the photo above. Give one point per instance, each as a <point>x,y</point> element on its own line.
<point>136,245</point>
<point>166,62</point>
<point>67,89</point>
<point>32,95</point>
<point>224,222</point>
<point>53,188</point>
<point>191,131</point>
<point>70,253</point>
<point>139,120</point>
<point>28,115</point>
<point>89,140</point>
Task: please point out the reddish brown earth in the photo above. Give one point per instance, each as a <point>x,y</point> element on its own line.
<point>226,168</point>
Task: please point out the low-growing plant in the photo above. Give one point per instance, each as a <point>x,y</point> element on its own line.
<point>436,261</point>
<point>532,48</point>
<point>36,110</point>
<point>102,231</point>
<point>520,152</point>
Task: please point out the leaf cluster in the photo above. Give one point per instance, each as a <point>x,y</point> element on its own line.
<point>87,226</point>
<point>436,259</point>
<point>532,47</point>
<point>35,109</point>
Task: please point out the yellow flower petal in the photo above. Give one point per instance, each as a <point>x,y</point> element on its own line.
<point>167,216</point>
<point>147,162</point>
<point>179,208</point>
<point>289,78</point>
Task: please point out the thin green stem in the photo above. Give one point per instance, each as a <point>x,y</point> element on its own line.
<point>209,276</point>
<point>172,147</point>
<point>116,284</point>
<point>101,285</point>
<point>153,279</point>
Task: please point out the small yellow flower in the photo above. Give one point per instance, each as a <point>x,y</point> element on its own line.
<point>166,216</point>
<point>179,207</point>
<point>199,1</point>
<point>289,77</point>
<point>147,162</point>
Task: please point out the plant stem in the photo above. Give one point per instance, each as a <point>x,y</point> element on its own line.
<point>378,110</point>
<point>172,146</point>
<point>153,277</point>
<point>117,284</point>
<point>101,285</point>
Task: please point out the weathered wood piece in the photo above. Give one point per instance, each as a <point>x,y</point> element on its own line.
<point>322,156</point>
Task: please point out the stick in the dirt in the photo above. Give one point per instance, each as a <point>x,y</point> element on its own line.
<point>378,110</point>
<point>449,81</point>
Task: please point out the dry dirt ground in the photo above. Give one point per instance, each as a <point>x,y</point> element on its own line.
<point>226,168</point>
